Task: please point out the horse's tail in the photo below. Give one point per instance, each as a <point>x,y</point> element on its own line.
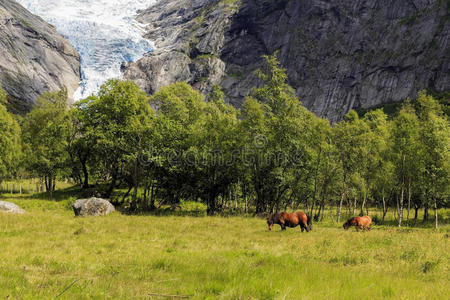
<point>309,221</point>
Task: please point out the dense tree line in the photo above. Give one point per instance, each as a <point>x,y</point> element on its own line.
<point>270,154</point>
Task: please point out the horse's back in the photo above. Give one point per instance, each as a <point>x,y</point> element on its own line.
<point>293,219</point>
<point>354,221</point>
<point>290,219</point>
<point>302,217</point>
<point>366,221</point>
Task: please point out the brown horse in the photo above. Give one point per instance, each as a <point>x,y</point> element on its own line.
<point>291,220</point>
<point>362,223</point>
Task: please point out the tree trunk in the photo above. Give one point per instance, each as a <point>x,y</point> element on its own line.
<point>409,198</point>
<point>384,206</point>
<point>322,215</point>
<point>435,213</point>
<point>349,206</point>
<point>397,211</point>
<point>47,187</point>
<point>113,183</point>
<point>51,186</point>
<point>260,207</point>
<point>400,214</point>
<point>145,197</point>
<point>341,201</point>
<point>425,212</point>
<point>363,205</point>
<point>152,197</point>
<point>235,196</point>
<point>211,209</point>
<point>127,193</point>
<point>324,193</point>
<point>135,181</point>
<point>315,182</point>
<point>85,184</point>
<point>318,211</point>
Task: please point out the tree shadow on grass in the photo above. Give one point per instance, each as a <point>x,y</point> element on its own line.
<point>70,193</point>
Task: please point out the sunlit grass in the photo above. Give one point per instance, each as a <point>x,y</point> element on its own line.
<point>118,256</point>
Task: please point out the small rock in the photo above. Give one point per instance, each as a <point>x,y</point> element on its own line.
<point>11,208</point>
<point>92,207</point>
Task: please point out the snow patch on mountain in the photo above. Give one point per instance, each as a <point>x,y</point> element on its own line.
<point>104,32</point>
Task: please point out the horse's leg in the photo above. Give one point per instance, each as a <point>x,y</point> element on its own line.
<point>303,226</point>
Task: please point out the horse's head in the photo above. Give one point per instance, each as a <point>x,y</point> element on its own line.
<point>269,223</point>
<point>346,225</point>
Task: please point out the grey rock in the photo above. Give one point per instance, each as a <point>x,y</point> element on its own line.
<point>338,54</point>
<point>34,58</point>
<point>188,36</point>
<point>92,207</point>
<point>8,207</point>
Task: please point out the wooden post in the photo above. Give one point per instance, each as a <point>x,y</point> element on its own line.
<point>20,189</point>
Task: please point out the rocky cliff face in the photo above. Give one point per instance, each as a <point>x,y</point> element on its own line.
<point>34,58</point>
<point>339,54</point>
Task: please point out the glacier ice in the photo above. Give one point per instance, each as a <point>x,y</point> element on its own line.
<point>104,32</point>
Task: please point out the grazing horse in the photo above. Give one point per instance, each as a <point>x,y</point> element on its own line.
<point>362,223</point>
<point>292,220</point>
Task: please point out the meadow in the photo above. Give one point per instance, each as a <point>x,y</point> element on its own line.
<point>48,253</point>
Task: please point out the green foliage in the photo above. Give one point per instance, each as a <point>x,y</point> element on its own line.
<point>203,136</point>
<point>117,126</point>
<point>271,154</point>
<point>10,147</point>
<point>45,131</point>
<point>2,96</point>
<point>277,131</point>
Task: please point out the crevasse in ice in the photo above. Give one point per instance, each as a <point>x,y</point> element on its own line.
<point>104,32</point>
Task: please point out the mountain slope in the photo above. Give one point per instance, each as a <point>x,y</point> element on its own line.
<point>34,58</point>
<point>339,54</point>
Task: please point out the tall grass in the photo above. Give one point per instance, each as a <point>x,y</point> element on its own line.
<point>48,252</point>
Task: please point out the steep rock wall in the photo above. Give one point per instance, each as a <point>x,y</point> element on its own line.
<point>339,54</point>
<point>34,58</point>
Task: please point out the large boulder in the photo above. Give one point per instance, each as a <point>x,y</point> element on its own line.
<point>11,208</point>
<point>92,207</point>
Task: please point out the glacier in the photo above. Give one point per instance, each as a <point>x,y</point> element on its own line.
<point>104,32</point>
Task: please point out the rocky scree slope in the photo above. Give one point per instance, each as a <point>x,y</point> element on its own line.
<point>34,58</point>
<point>339,54</point>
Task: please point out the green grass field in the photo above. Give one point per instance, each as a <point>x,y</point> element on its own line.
<point>48,253</point>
